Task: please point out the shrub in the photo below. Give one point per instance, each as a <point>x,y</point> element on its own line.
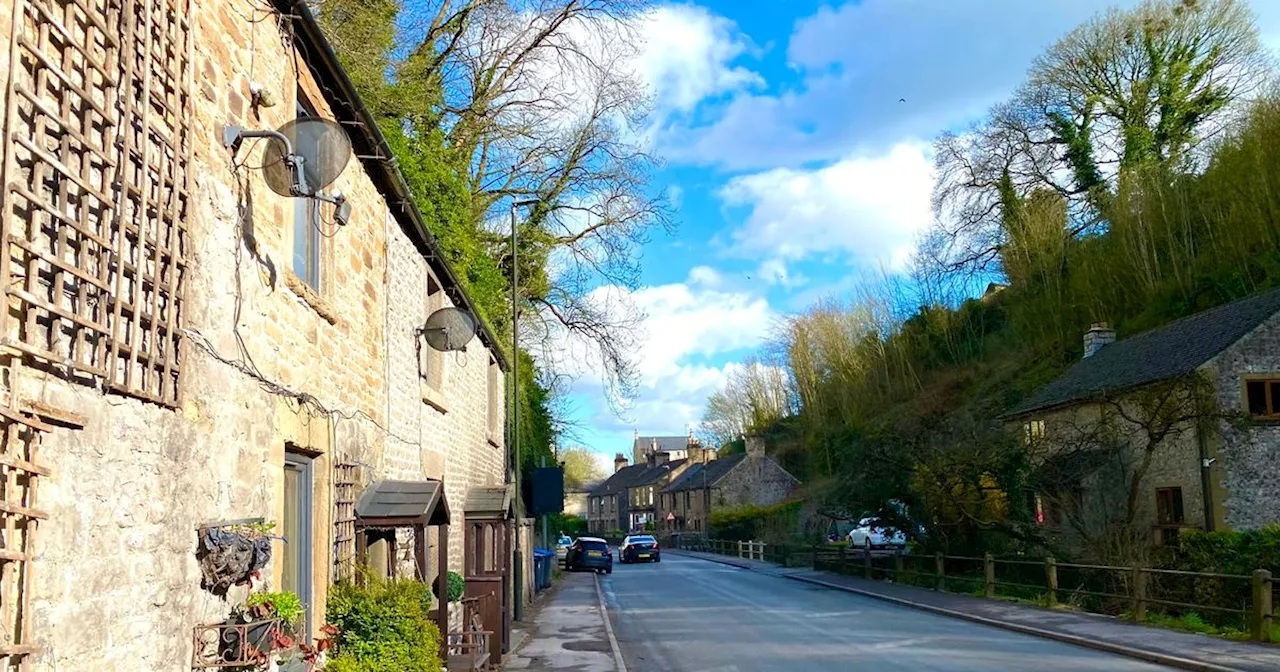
<point>384,626</point>
<point>457,586</point>
<point>747,523</point>
<point>285,606</point>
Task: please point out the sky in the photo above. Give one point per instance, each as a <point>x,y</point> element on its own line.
<point>796,140</point>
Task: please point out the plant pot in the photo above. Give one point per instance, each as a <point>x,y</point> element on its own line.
<point>258,636</point>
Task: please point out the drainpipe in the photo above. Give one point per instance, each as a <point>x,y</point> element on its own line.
<point>1206,478</point>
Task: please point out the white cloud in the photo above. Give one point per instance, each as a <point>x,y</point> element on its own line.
<point>705,276</point>
<point>687,56</point>
<point>870,208</point>
<point>774,271</point>
<point>688,331</point>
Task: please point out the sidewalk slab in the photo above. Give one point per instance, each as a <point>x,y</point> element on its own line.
<point>565,631</point>
<point>1178,649</point>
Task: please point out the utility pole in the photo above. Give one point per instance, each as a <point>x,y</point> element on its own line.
<point>518,555</point>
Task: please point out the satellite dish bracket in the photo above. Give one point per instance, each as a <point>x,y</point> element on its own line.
<point>233,136</point>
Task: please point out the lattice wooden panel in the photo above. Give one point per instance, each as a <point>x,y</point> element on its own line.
<point>344,520</point>
<point>93,234</point>
<point>20,472</point>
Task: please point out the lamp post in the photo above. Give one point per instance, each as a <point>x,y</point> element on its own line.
<point>515,406</point>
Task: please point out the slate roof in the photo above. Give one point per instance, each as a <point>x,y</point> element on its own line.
<point>655,472</point>
<point>1164,353</point>
<point>493,501</point>
<point>667,443</point>
<point>692,478</point>
<point>620,480</point>
<point>404,499</point>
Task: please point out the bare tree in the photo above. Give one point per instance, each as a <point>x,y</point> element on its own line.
<point>1128,89</point>
<point>532,100</point>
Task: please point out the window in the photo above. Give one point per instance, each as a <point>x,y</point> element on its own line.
<point>651,495</point>
<point>1262,398</point>
<point>1169,513</point>
<point>1033,431</point>
<point>306,222</point>
<point>495,387</point>
<point>296,529</point>
<point>430,360</point>
<point>687,501</point>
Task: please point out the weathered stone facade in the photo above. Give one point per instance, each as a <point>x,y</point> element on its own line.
<point>754,479</point>
<point>269,364</point>
<point>1246,471</point>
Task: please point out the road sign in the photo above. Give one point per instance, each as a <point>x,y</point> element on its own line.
<point>671,517</point>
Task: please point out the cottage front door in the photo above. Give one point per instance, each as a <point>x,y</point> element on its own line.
<point>486,574</point>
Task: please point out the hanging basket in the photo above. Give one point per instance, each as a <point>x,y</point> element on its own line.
<point>230,555</point>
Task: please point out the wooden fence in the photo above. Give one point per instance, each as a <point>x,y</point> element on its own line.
<point>1231,599</point>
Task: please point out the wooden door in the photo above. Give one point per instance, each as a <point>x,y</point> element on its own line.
<point>486,576</point>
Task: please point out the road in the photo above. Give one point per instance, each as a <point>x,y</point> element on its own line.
<point>690,615</point>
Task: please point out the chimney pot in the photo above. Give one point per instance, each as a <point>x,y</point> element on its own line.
<point>1099,335</point>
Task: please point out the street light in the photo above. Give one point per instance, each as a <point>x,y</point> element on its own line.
<point>515,403</point>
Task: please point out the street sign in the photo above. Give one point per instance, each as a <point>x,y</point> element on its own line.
<point>671,517</point>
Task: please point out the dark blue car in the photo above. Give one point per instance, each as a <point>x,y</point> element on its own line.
<point>589,553</point>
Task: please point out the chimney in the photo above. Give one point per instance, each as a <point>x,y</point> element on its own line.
<point>661,457</point>
<point>1099,334</point>
<point>755,445</point>
<point>650,458</point>
<point>619,462</point>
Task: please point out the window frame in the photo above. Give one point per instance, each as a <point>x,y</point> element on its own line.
<point>494,376</point>
<point>304,217</point>
<point>430,360</point>
<point>1272,405</point>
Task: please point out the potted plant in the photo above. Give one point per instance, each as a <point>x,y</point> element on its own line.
<point>269,621</point>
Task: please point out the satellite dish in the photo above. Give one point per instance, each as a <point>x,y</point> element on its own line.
<point>449,329</point>
<point>321,144</point>
<point>303,157</point>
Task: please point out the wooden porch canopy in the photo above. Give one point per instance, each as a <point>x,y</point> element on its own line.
<point>392,505</point>
<point>490,502</point>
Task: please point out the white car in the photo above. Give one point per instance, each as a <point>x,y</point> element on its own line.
<point>871,534</point>
<point>562,547</point>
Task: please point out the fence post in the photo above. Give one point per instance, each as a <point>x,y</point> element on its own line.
<point>1051,579</point>
<point>942,573</point>
<point>1261,617</point>
<point>762,545</point>
<point>1139,594</point>
<point>897,567</point>
<point>866,563</point>
<point>989,575</point>
<point>739,548</point>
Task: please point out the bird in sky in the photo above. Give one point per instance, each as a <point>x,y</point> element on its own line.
<point>902,100</point>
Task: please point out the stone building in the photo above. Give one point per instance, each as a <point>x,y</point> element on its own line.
<point>751,478</point>
<point>642,491</point>
<point>183,348</point>
<point>1207,387</point>
<point>676,447</point>
<point>608,506</point>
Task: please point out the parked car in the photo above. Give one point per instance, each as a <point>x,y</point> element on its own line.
<point>639,548</point>
<point>870,533</point>
<point>590,553</point>
<point>562,547</point>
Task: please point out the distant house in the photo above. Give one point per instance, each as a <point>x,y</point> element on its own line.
<point>575,499</point>
<point>753,478</point>
<point>607,509</point>
<point>1185,417</point>
<point>676,447</point>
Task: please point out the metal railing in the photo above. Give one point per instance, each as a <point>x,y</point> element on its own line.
<point>1244,599</point>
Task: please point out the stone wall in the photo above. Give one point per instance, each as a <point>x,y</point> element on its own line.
<point>757,480</point>
<point>269,362</point>
<point>1247,470</point>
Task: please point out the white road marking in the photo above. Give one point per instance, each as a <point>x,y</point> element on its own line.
<point>608,629</point>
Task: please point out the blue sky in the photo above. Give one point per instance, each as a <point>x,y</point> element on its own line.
<point>796,140</point>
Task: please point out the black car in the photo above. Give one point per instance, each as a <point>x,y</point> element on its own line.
<point>589,553</point>
<point>639,548</point>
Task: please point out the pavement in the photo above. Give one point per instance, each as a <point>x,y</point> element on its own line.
<point>687,614</point>
<point>1176,649</point>
<point>566,630</point>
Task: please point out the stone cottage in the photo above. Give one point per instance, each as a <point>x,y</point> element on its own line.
<point>184,349</point>
<point>1178,424</point>
<point>750,478</point>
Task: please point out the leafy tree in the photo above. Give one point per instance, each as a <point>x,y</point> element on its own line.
<point>580,467</point>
